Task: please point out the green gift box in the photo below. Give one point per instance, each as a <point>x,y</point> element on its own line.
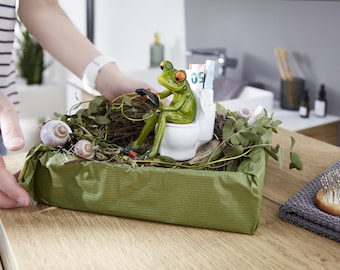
<point>219,189</point>
<point>222,200</point>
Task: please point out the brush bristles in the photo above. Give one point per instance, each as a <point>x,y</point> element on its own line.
<point>331,186</point>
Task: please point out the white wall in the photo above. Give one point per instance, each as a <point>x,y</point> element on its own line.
<point>124,30</point>
<point>76,10</point>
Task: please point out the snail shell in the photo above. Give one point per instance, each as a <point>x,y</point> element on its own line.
<point>257,114</point>
<point>83,148</point>
<point>55,133</point>
<point>244,112</point>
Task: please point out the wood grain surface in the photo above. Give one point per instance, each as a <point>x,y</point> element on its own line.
<point>43,237</point>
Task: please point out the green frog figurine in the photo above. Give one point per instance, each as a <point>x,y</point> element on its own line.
<point>181,110</point>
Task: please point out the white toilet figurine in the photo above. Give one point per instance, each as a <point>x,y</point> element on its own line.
<point>181,141</point>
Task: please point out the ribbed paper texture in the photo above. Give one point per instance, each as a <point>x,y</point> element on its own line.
<point>229,201</point>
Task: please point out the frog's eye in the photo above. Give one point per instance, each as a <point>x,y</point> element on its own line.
<point>180,76</point>
<point>161,65</point>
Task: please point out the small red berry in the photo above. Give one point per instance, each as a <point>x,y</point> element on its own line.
<point>132,154</point>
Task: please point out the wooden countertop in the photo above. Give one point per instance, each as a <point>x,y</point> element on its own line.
<point>42,237</point>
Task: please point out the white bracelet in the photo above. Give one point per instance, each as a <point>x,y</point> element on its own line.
<point>92,70</point>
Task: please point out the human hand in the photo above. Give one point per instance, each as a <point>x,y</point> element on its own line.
<point>11,193</point>
<point>111,82</point>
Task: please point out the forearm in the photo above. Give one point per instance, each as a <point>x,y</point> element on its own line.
<point>49,24</point>
<point>165,93</point>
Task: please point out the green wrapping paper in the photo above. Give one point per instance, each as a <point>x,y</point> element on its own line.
<point>229,201</point>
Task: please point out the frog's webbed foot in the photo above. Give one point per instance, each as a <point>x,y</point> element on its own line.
<point>148,96</point>
<point>125,150</point>
<point>150,154</point>
<point>144,156</point>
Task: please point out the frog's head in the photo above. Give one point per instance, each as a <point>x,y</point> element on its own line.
<point>171,78</point>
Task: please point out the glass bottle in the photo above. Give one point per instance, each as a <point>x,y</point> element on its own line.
<point>156,51</point>
<point>320,105</point>
<point>304,105</point>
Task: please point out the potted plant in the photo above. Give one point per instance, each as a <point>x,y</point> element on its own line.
<point>30,55</point>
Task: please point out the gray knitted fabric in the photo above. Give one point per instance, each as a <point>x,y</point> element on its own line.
<point>302,211</point>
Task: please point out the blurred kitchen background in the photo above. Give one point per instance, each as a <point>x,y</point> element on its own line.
<point>251,29</point>
<point>247,32</point>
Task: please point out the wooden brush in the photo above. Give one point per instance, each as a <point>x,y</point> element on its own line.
<point>288,72</point>
<point>279,63</point>
<point>283,64</point>
<point>328,197</point>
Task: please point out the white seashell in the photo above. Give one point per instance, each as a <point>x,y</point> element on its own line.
<point>257,114</point>
<point>84,149</point>
<point>55,133</point>
<point>244,112</point>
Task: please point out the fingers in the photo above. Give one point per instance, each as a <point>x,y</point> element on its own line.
<point>10,127</point>
<point>11,193</point>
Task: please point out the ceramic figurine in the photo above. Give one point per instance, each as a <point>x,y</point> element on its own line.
<point>178,132</point>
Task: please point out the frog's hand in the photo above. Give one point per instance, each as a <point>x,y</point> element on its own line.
<point>148,96</point>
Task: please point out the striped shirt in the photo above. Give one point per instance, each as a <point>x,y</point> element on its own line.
<point>7,65</point>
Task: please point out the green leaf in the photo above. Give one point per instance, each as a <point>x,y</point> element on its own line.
<point>232,166</point>
<point>275,148</point>
<point>239,139</point>
<point>251,137</point>
<point>262,122</point>
<point>234,150</point>
<point>214,156</point>
<point>78,132</point>
<point>220,109</point>
<point>58,115</point>
<point>90,117</point>
<point>276,123</point>
<point>274,130</point>
<point>167,159</point>
<point>271,153</point>
<point>295,161</point>
<point>127,101</point>
<point>94,106</point>
<point>241,123</point>
<point>102,120</point>
<point>292,143</point>
<point>281,156</point>
<point>80,112</point>
<point>227,130</point>
<point>79,121</point>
